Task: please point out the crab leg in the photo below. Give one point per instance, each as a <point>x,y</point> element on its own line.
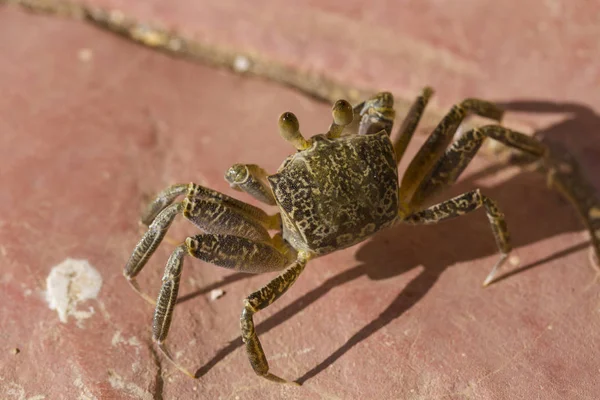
<point>565,175</point>
<point>233,252</point>
<point>410,122</point>
<point>251,179</point>
<point>193,190</point>
<point>460,153</point>
<point>161,201</point>
<point>439,139</point>
<point>563,172</point>
<point>148,244</point>
<point>209,210</point>
<point>258,301</point>
<point>462,205</point>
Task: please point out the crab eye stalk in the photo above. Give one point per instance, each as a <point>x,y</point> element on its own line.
<point>342,115</point>
<point>289,128</point>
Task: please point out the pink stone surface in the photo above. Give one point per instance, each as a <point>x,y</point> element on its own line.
<point>83,145</point>
<point>495,49</point>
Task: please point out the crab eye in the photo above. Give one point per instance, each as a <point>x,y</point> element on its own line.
<point>288,124</point>
<point>236,174</point>
<point>289,128</point>
<point>342,113</point>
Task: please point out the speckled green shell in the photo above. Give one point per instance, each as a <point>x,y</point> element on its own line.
<point>337,192</point>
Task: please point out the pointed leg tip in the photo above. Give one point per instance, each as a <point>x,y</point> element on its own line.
<point>594,259</point>
<point>167,353</point>
<point>172,241</point>
<point>133,283</point>
<point>492,275</point>
<point>488,281</point>
<point>275,378</point>
<point>188,373</point>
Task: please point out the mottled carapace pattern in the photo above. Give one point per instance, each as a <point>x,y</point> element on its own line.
<point>358,196</point>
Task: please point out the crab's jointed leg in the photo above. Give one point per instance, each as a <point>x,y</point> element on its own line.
<point>250,178</point>
<point>459,154</point>
<point>438,165</point>
<point>233,252</point>
<point>565,175</point>
<point>410,122</point>
<point>258,301</point>
<point>161,201</point>
<point>209,210</point>
<point>237,238</point>
<point>464,204</point>
<point>438,141</point>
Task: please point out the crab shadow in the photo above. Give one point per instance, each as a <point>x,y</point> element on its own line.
<point>533,213</point>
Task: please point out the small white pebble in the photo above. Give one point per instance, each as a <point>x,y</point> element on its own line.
<point>85,55</point>
<point>216,293</point>
<point>149,36</point>
<point>116,16</point>
<point>241,63</point>
<point>514,260</point>
<point>175,44</point>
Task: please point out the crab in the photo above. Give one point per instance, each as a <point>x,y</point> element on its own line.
<point>336,190</point>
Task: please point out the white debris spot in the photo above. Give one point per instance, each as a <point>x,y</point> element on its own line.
<point>69,283</point>
<point>241,63</point>
<point>16,391</point>
<point>117,382</point>
<point>85,394</point>
<point>85,55</point>
<point>514,260</point>
<point>297,353</point>
<point>119,339</point>
<point>175,44</point>
<point>216,293</point>
<point>135,367</point>
<point>116,16</point>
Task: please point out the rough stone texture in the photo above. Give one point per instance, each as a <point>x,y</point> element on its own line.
<point>492,49</point>
<point>83,144</point>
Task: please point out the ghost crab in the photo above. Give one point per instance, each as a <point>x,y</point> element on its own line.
<point>338,189</point>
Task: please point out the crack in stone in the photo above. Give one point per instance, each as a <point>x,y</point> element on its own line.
<point>160,382</point>
<point>315,85</point>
